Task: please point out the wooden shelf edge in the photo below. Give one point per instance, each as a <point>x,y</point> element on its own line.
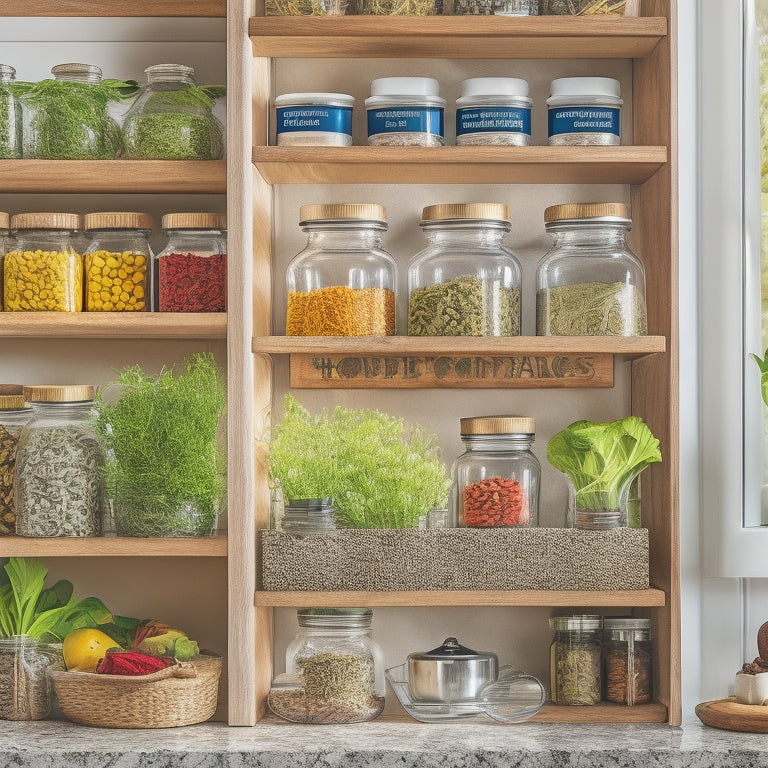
<point>108,8</point>
<point>113,325</point>
<point>646,598</point>
<point>114,546</point>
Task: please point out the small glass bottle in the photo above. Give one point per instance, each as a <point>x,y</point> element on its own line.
<point>627,660</point>
<point>10,121</point>
<point>172,118</point>
<point>342,283</point>
<point>590,283</point>
<point>191,271</point>
<point>584,111</point>
<point>465,283</point>
<point>117,262</point>
<point>334,670</point>
<point>59,480</point>
<point>43,271</point>
<point>493,111</point>
<point>66,118</point>
<point>495,482</point>
<point>26,691</point>
<point>14,414</point>
<point>575,659</point>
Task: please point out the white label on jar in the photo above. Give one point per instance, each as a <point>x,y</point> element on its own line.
<point>584,120</point>
<point>493,119</point>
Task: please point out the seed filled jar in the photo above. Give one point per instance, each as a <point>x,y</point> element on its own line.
<point>117,262</point>
<point>590,283</point>
<point>172,118</point>
<point>10,116</point>
<point>15,412</point>
<point>465,283</point>
<point>26,690</point>
<point>627,660</point>
<point>405,112</point>
<point>334,670</point>
<point>493,111</point>
<point>575,659</point>
<point>59,482</point>
<point>314,119</point>
<point>584,111</point>
<point>495,482</point>
<point>342,283</point>
<point>43,271</point>
<point>191,271</point>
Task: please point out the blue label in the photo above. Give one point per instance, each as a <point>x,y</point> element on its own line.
<point>493,119</point>
<point>406,120</point>
<point>314,118</point>
<point>584,120</point>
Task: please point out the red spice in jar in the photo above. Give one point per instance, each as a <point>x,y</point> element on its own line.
<point>189,283</point>
<point>495,501</point>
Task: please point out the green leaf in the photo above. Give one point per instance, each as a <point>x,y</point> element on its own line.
<point>27,579</point>
<point>54,597</point>
<point>185,649</point>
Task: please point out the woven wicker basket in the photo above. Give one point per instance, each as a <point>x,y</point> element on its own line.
<point>182,694</point>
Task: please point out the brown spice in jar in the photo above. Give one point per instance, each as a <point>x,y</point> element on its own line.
<point>625,685</point>
<point>9,444</point>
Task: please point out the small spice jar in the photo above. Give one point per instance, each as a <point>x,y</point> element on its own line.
<point>10,120</point>
<point>117,262</point>
<point>342,283</point>
<point>43,271</point>
<point>26,691</point>
<point>172,118</point>
<point>575,659</point>
<point>627,660</point>
<point>584,111</point>
<point>590,283</point>
<point>191,271</point>
<point>314,119</point>
<point>334,670</point>
<point>495,482</point>
<point>66,118</point>
<point>493,111</point>
<point>59,482</point>
<point>15,412</point>
<point>465,283</point>
<point>405,112</point>
<point>5,226</point>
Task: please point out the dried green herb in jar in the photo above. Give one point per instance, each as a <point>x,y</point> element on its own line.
<point>575,656</point>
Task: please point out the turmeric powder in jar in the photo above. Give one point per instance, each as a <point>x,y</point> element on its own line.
<point>43,271</point>
<point>117,262</point>
<point>343,282</point>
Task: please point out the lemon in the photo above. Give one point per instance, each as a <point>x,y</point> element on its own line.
<point>84,648</point>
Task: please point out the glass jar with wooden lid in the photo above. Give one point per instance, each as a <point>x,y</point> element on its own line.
<point>15,412</point>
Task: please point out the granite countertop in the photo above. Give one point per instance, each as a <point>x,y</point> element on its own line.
<point>55,744</point>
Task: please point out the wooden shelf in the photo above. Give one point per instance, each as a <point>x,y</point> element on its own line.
<point>109,546</point>
<point>113,325</point>
<point>119,176</point>
<point>97,8</point>
<point>482,37</point>
<point>458,165</point>
<point>523,598</point>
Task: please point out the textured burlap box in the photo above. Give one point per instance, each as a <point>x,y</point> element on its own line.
<point>459,558</point>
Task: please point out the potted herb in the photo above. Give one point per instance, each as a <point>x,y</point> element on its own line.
<point>165,467</point>
<point>380,471</point>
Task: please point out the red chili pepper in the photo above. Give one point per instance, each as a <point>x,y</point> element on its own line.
<point>131,663</point>
<point>189,283</point>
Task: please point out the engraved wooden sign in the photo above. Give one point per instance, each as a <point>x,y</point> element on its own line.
<point>343,371</point>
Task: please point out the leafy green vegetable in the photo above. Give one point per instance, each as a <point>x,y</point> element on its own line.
<point>763,365</point>
<point>602,458</point>
<point>380,471</point>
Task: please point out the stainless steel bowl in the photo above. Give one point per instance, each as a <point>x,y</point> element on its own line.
<point>450,673</point>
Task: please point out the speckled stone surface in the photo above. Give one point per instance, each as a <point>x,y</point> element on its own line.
<point>49,744</point>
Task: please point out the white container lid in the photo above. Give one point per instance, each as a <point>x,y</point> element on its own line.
<point>405,86</point>
<point>319,99</point>
<point>585,86</point>
<point>494,86</point>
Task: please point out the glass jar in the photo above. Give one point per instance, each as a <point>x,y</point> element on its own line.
<point>5,244</point>
<point>400,7</point>
<point>334,670</point>
<point>59,482</point>
<point>575,659</point>
<point>342,283</point>
<point>493,111</point>
<point>117,259</point>
<point>66,118</point>
<point>10,121</point>
<point>43,271</point>
<point>496,479</point>
<point>26,691</point>
<point>14,414</point>
<point>303,517</point>
<point>590,283</point>
<point>172,118</point>
<point>627,660</point>
<point>465,283</point>
<point>314,119</point>
<point>584,111</point>
<point>191,271</point>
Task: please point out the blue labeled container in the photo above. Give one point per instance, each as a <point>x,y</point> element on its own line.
<point>493,111</point>
<point>314,119</point>
<point>584,111</point>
